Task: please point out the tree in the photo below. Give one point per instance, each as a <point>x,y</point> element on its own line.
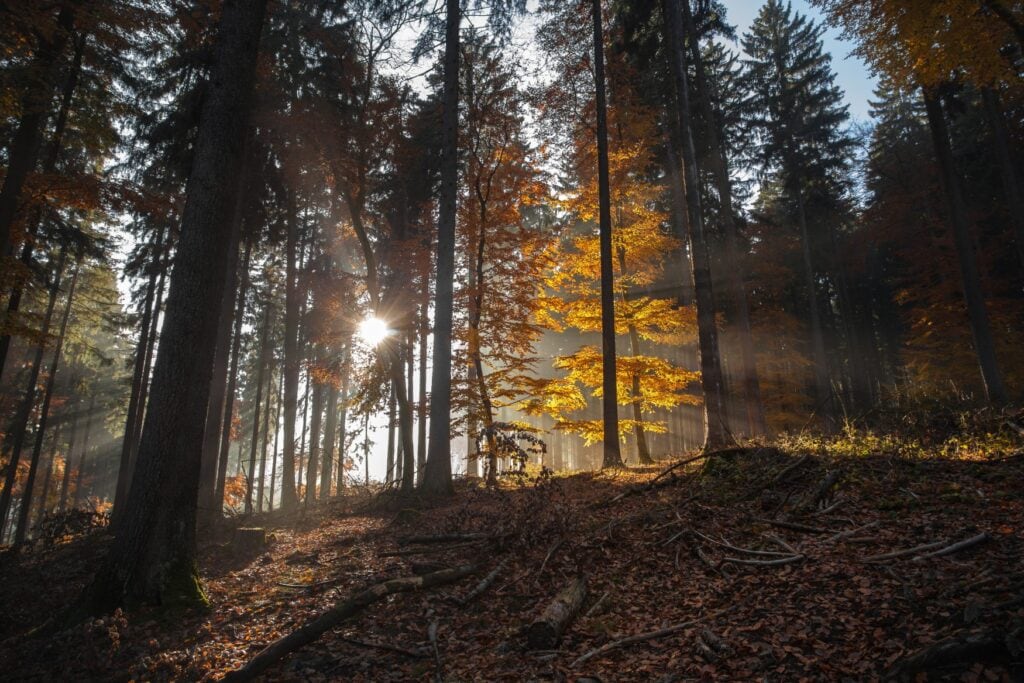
<point>153,554</point>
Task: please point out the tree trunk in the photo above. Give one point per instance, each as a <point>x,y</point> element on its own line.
<point>153,556</point>
<point>289,497</point>
<point>256,407</point>
<point>28,402</point>
<point>822,385</point>
<point>715,434</point>
<point>610,406</point>
<point>437,476</point>
<point>277,433</point>
<point>408,460</point>
<point>69,454</point>
<point>421,404</point>
<point>980,328</point>
<point>48,166</point>
<point>266,437</point>
<point>216,507</point>
<point>313,464</point>
<point>48,477</point>
<point>1007,168</point>
<point>23,150</point>
<point>720,169</point>
<point>330,434</point>
<point>643,452</point>
<point>218,384</point>
<point>391,437</point>
<point>44,413</point>
<point>80,475</point>
<point>342,429</point>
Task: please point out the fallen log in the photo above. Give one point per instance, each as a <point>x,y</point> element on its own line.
<point>341,611</point>
<point>426,551</point>
<point>765,563</point>
<point>249,540</point>
<point>956,547</point>
<point>793,526</point>
<point>547,630</point>
<point>975,647</point>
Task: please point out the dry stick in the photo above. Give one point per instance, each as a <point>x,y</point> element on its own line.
<point>653,483</point>
<point>903,553</point>
<point>442,538</point>
<point>956,547</point>
<point>596,608</point>
<point>554,548</point>
<point>851,532</point>
<point>830,508</point>
<point>310,586</point>
<point>782,544</point>
<point>789,468</point>
<point>341,611</point>
<point>1015,427</point>
<point>484,584</point>
<point>432,635</point>
<point>426,551</point>
<point>793,526</point>
<point>650,635</point>
<point>768,553</point>
<point>766,563</point>
<point>384,646</point>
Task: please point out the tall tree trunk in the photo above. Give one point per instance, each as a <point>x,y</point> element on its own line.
<point>822,385</point>
<point>342,430</point>
<point>48,477</point>
<point>24,147</point>
<point>643,452</point>
<point>20,427</point>
<point>256,407</point>
<point>437,475</point>
<point>1007,168</point>
<point>289,497</point>
<point>715,433</point>
<point>80,474</point>
<point>216,507</point>
<point>266,438</point>
<point>313,464</point>
<point>407,462</point>
<point>153,555</point>
<point>330,434</point>
<point>277,433</point>
<point>421,404</point>
<point>44,414</point>
<point>48,166</point>
<point>391,438</point>
<point>69,454</point>
<point>218,384</point>
<point>610,406</point>
<point>995,391</point>
<point>727,218</point>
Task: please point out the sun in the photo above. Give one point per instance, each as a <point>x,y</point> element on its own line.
<point>373,331</point>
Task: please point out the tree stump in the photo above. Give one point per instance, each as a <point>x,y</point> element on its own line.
<point>249,540</point>
<point>547,630</point>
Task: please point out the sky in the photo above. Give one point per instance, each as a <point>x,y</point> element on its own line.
<point>852,75</point>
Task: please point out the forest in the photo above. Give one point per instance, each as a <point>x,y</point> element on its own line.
<point>512,340</point>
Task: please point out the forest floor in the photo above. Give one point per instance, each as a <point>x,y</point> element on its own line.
<point>761,557</point>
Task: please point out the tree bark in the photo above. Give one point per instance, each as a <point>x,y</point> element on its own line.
<point>1007,167</point>
<point>48,166</point>
<point>69,454</point>
<point>266,437</point>
<point>545,632</point>
<point>389,475</point>
<point>24,147</point>
<point>216,506</point>
<point>610,400</point>
<point>289,497</point>
<point>437,475</point>
<point>720,169</point>
<point>153,555</point>
<point>313,463</point>
<point>44,413</point>
<point>995,391</point>
<point>330,434</point>
<point>277,433</point>
<point>28,402</point>
<point>80,474</point>
<point>256,407</point>
<point>421,404</point>
<point>716,433</point>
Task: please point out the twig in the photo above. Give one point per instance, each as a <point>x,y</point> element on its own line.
<point>554,548</point>
<point>851,532</point>
<point>596,608</point>
<point>656,482</point>
<point>432,635</point>
<point>766,563</point>
<point>310,586</point>
<point>793,526</point>
<point>789,468</point>
<point>484,584</point>
<point>442,538</point>
<point>956,547</point>
<point>782,544</point>
<point>649,635</point>
<point>385,646</point>
<point>830,508</point>
<point>426,551</point>
<point>768,553</point>
<point>903,553</point>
